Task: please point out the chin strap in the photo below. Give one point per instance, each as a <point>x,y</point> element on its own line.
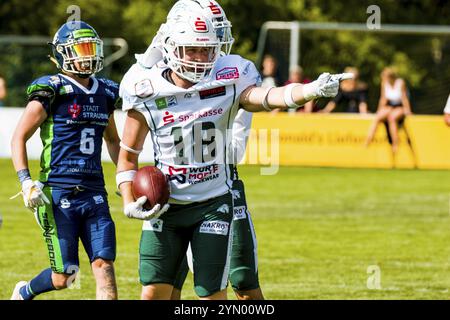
<point>52,59</point>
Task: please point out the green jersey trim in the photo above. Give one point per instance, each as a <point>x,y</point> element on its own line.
<point>38,87</point>
<point>48,224</point>
<point>46,156</point>
<point>41,87</point>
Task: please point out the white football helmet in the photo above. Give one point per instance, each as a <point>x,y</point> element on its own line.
<point>208,8</point>
<point>190,31</point>
<point>211,10</point>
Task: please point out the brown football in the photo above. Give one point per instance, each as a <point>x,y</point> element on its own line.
<point>152,183</point>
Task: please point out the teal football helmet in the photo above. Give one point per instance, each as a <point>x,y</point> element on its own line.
<point>78,49</point>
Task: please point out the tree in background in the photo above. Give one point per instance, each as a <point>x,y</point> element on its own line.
<point>137,21</point>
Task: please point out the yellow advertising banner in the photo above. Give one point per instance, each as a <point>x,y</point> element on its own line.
<point>430,139</point>
<point>338,140</point>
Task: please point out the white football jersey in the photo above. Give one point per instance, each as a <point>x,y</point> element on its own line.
<point>191,128</point>
<point>241,130</point>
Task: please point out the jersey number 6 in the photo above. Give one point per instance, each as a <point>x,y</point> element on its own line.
<point>87,145</point>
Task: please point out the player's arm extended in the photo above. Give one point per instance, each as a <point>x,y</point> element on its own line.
<point>134,133</point>
<point>294,95</point>
<point>33,116</point>
<point>252,99</point>
<point>112,139</point>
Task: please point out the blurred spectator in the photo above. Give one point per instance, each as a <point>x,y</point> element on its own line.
<point>296,76</point>
<point>393,106</point>
<point>2,91</point>
<point>352,95</point>
<point>269,71</point>
<point>447,112</point>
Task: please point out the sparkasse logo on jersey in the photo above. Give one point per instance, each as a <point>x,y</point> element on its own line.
<point>227,73</point>
<point>200,114</point>
<point>169,118</point>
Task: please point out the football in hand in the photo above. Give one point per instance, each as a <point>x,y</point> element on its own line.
<point>152,183</point>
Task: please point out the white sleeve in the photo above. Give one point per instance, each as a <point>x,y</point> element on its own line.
<point>135,88</point>
<point>248,76</point>
<point>241,130</point>
<point>154,53</point>
<point>447,106</point>
<point>150,57</point>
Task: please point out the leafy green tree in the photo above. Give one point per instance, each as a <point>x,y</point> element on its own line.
<point>423,61</point>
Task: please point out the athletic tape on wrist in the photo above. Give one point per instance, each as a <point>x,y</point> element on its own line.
<point>288,96</point>
<point>265,104</point>
<point>125,147</point>
<point>125,176</point>
<point>310,91</point>
<point>23,175</point>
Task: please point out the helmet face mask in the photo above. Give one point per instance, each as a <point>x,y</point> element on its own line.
<point>191,47</point>
<point>78,51</point>
<point>223,30</point>
<point>211,10</point>
<point>186,66</point>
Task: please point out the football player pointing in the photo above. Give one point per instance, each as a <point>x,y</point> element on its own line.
<point>243,273</point>
<point>74,111</point>
<point>196,90</point>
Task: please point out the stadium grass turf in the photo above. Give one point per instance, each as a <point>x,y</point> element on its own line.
<point>318,229</point>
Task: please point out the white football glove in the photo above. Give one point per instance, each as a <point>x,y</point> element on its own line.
<point>33,196</point>
<point>326,86</point>
<point>135,210</point>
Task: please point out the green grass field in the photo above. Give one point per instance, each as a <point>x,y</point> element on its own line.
<point>318,232</point>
